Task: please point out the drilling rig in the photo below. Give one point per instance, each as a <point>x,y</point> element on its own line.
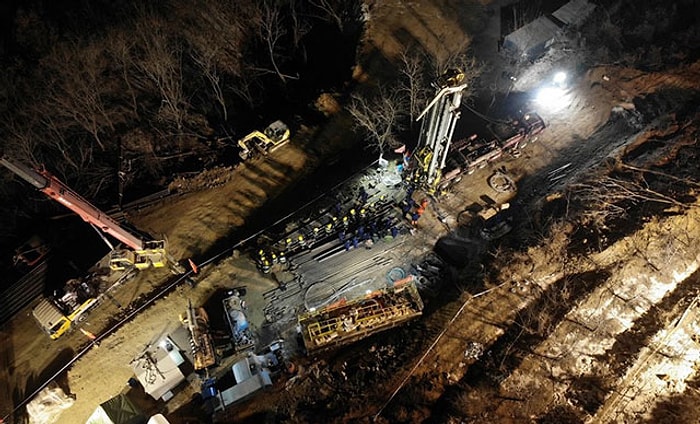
<point>439,120</point>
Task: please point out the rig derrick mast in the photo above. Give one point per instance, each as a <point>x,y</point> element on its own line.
<point>438,124</point>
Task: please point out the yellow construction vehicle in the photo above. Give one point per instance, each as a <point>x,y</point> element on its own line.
<point>55,320</point>
<point>153,253</point>
<point>142,253</point>
<point>272,137</point>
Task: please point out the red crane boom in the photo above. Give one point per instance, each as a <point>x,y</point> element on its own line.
<point>55,189</point>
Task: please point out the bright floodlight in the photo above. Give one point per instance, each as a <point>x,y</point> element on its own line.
<point>552,98</point>
<point>560,78</point>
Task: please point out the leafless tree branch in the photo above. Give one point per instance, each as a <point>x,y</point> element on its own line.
<point>208,67</point>
<point>271,32</point>
<point>414,84</point>
<point>330,11</point>
<point>609,197</point>
<point>379,116</point>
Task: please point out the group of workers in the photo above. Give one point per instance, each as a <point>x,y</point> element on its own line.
<point>411,209</point>
<point>367,233</point>
<point>266,259</point>
<point>362,224</point>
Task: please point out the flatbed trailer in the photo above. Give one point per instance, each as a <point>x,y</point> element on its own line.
<point>345,322</point>
<point>470,154</point>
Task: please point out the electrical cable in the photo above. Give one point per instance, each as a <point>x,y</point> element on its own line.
<point>484,117</point>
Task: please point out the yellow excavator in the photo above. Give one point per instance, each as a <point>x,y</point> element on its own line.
<point>275,135</point>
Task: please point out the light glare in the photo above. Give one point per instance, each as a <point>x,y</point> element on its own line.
<point>560,78</point>
<point>552,98</point>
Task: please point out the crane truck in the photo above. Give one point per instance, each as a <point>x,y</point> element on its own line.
<point>141,254</point>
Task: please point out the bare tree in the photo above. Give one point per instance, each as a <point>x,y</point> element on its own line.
<point>332,11</point>
<point>161,64</point>
<point>413,83</point>
<point>121,48</point>
<point>55,141</point>
<point>419,73</point>
<point>21,140</point>
<point>379,116</point>
<point>300,24</point>
<point>609,197</point>
<point>271,31</point>
<point>208,68</point>
<point>78,89</point>
<point>216,30</point>
<point>248,85</point>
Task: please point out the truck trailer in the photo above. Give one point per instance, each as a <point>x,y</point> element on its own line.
<point>56,322</point>
<point>345,322</point>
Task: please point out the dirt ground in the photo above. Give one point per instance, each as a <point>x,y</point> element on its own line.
<point>566,319</point>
